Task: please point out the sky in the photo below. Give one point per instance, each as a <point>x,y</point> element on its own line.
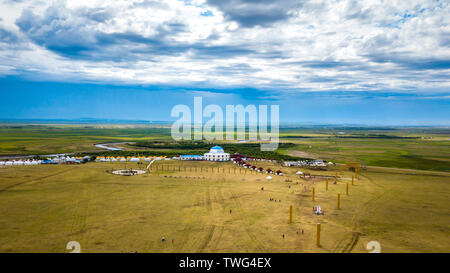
<point>363,62</point>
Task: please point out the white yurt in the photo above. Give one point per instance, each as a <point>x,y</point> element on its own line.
<point>2,163</point>
<point>299,173</point>
<point>269,177</point>
<point>134,159</point>
<point>123,159</point>
<point>8,163</point>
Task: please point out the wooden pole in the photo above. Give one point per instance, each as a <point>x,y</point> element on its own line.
<point>346,188</point>
<point>353,178</point>
<point>290,214</point>
<point>339,201</point>
<point>318,235</point>
<point>313,194</point>
<point>326,187</point>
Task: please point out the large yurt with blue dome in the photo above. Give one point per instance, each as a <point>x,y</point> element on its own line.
<point>216,153</point>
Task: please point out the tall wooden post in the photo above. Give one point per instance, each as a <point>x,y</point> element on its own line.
<point>290,214</point>
<point>318,235</point>
<point>346,188</point>
<point>326,185</point>
<point>353,177</point>
<point>313,194</point>
<point>335,177</point>
<point>339,201</point>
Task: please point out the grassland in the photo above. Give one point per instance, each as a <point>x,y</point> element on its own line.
<point>401,199</point>
<point>50,139</point>
<point>422,149</point>
<point>44,207</point>
<point>408,148</point>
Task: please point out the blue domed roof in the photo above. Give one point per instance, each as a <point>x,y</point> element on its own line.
<point>216,150</point>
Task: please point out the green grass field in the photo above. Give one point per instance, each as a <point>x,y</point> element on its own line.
<point>44,207</point>
<point>408,148</point>
<point>401,199</point>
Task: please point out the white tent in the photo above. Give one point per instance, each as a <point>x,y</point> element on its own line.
<point>123,160</point>
<point>2,163</point>
<point>269,177</point>
<point>330,163</point>
<point>19,162</point>
<point>27,162</point>
<point>8,163</point>
<point>318,210</point>
<point>299,173</point>
<point>134,159</point>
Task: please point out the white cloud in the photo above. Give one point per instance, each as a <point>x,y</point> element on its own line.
<point>315,45</point>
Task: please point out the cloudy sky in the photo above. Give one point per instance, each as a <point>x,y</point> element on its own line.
<point>374,62</point>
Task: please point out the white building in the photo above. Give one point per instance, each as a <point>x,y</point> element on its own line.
<point>216,153</point>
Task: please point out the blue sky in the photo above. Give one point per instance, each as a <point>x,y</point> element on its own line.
<point>365,62</point>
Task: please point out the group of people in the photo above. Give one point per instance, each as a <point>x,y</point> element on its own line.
<point>303,232</point>
<point>163,239</point>
<point>272,199</point>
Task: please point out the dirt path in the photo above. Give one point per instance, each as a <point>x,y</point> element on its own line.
<point>302,154</point>
<point>33,180</point>
<point>345,246</point>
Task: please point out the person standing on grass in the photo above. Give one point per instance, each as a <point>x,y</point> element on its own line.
<point>231,211</point>
<point>163,239</point>
<point>283,235</point>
